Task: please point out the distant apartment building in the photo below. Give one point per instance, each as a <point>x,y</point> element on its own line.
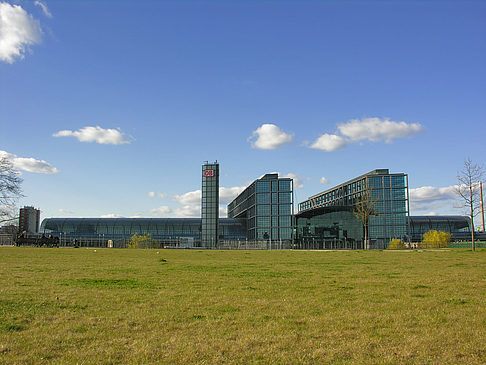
<point>29,220</point>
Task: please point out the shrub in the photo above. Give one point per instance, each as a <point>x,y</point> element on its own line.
<point>396,244</point>
<point>137,241</point>
<point>435,239</point>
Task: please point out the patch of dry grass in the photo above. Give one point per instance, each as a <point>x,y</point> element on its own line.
<point>189,306</point>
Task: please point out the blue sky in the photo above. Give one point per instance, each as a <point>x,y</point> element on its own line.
<point>109,107</point>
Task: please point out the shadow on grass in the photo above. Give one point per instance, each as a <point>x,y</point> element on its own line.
<point>108,283</point>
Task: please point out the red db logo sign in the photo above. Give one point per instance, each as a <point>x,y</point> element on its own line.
<point>208,173</point>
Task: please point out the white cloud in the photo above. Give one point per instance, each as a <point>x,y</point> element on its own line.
<point>111,215</point>
<point>153,194</point>
<point>65,211</point>
<point>191,202</point>
<point>329,142</point>
<point>189,198</point>
<point>323,180</point>
<point>29,164</point>
<point>376,129</point>
<point>371,129</point>
<point>269,137</point>
<point>187,211</point>
<point>161,210</point>
<point>18,31</point>
<point>427,198</point>
<point>431,193</point>
<point>44,8</point>
<point>226,195</point>
<point>95,134</point>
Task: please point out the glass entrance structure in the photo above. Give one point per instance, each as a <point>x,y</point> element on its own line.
<point>388,195</point>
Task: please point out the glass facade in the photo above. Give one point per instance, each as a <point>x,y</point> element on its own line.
<point>458,226</point>
<point>210,204</point>
<point>324,228</point>
<point>389,198</point>
<point>265,207</point>
<point>117,228</point>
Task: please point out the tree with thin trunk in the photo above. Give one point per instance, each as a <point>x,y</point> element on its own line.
<point>468,191</point>
<point>10,190</point>
<point>363,210</point>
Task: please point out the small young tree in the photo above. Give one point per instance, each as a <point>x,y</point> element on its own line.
<point>363,210</point>
<point>396,244</point>
<point>138,241</point>
<point>10,190</point>
<point>436,239</point>
<point>468,191</point>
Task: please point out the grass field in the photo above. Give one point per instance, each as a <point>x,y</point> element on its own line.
<point>187,306</point>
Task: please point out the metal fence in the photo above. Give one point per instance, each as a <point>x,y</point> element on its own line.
<point>7,239</point>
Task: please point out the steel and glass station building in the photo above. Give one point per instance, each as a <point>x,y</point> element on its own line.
<point>263,212</point>
<point>265,208</point>
<point>328,217</point>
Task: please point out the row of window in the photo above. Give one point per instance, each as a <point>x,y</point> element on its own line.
<point>275,221</point>
<point>275,209</point>
<point>386,181</point>
<point>267,198</point>
<point>273,185</point>
<point>271,233</point>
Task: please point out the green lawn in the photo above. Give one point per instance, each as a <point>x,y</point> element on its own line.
<point>189,306</point>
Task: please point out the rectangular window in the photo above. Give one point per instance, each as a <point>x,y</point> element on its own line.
<point>285,233</point>
<point>284,185</point>
<point>263,186</point>
<point>263,209</point>
<point>263,221</point>
<point>274,209</point>
<point>398,194</point>
<point>377,194</point>
<point>285,209</point>
<point>263,233</point>
<point>284,221</point>
<point>375,182</point>
<point>284,197</point>
<point>263,198</point>
<point>398,181</point>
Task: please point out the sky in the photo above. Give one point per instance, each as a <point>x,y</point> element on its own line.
<point>109,108</point>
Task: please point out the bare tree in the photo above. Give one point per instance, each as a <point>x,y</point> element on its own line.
<point>10,190</point>
<point>468,191</point>
<point>363,210</point>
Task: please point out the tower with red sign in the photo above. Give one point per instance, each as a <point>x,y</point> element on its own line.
<point>210,205</point>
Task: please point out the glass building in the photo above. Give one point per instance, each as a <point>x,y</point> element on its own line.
<point>388,196</point>
<point>458,226</point>
<point>104,229</point>
<point>265,208</point>
<point>210,204</point>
